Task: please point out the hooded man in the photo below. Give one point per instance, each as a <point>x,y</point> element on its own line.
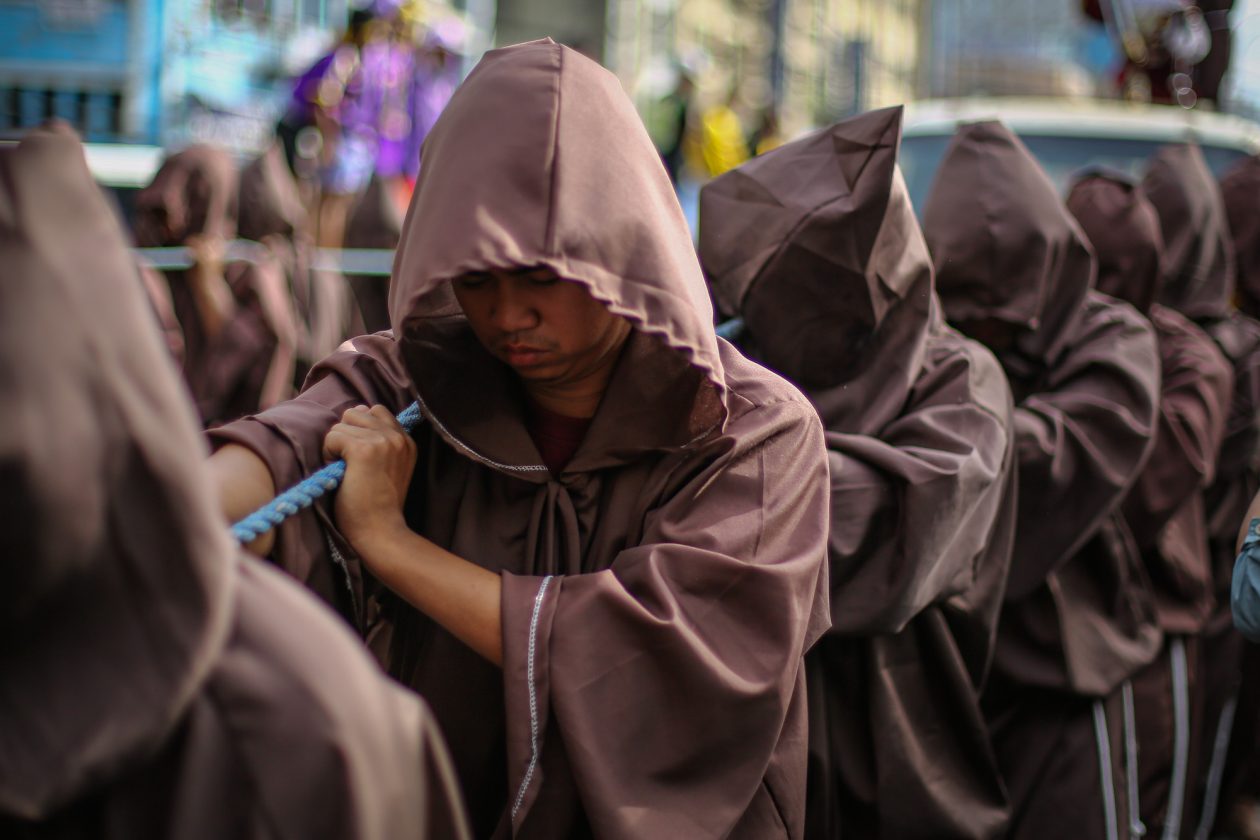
<point>610,557</point>
<point>1014,270</point>
<point>1164,510</point>
<point>234,317</point>
<point>271,213</point>
<point>154,683</point>
<point>816,246</point>
<point>1200,285</point>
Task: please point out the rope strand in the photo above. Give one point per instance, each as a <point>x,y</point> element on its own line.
<point>303,494</point>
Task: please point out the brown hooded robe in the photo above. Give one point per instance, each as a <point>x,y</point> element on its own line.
<point>1200,285</point>
<point>659,593</point>
<point>228,374</point>
<point>152,683</point>
<point>1077,622</point>
<point>271,213</point>
<point>816,246</point>
<point>1164,509</point>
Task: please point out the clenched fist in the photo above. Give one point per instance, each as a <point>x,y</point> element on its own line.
<point>380,458</point>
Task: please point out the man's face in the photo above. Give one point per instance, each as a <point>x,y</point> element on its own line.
<point>544,328</point>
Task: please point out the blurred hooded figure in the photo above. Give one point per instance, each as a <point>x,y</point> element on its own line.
<point>625,660</point>
<point>1200,285</point>
<point>816,246</point>
<point>1240,191</point>
<point>271,213</point>
<point>153,682</point>
<point>1164,510</point>
<point>1014,270</point>
<point>234,316</point>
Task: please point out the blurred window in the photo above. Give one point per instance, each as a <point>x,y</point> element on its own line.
<point>232,11</point>
<point>1061,157</point>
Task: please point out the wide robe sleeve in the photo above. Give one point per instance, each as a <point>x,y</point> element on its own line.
<point>1195,397</point>
<point>668,677</point>
<point>913,510</point>
<point>1083,437</point>
<point>289,438</point>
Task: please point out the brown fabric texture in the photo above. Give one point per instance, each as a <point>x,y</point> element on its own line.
<point>155,684</point>
<point>1190,204</point>
<point>1164,509</point>
<point>658,594</point>
<point>375,222</point>
<point>246,364</point>
<point>1047,746</point>
<point>272,214</point>
<point>919,437</point>
<point>1193,202</point>
<point>1078,619</point>
<point>1240,191</point>
<point>1199,260</point>
<point>1123,227</point>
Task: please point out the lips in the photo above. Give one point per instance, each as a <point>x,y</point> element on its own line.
<point>522,355</point>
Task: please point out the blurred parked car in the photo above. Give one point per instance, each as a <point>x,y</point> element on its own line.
<point>1067,135</point>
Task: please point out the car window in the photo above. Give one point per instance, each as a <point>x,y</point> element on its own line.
<point>1061,157</point>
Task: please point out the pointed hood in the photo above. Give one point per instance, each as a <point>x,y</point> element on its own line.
<point>268,198</point>
<point>1240,189</point>
<point>816,246</point>
<point>1123,228</point>
<point>114,562</point>
<point>194,192</point>
<point>1200,267</point>
<point>1004,246</point>
<point>540,159</point>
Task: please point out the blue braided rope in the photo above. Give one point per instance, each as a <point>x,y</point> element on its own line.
<point>730,330</point>
<point>303,494</point>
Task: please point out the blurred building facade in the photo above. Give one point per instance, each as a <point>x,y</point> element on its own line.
<point>165,72</point>
<point>154,71</point>
<point>814,61</point>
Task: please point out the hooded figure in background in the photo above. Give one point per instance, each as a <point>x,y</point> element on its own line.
<point>816,246</point>
<point>375,222</point>
<point>271,213</point>
<point>656,585</point>
<point>1200,285</point>
<point>1164,510</point>
<point>235,317</point>
<point>1240,190</point>
<point>155,683</point>
<point>1013,269</point>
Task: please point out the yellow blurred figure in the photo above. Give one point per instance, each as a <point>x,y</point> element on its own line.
<point>721,141</point>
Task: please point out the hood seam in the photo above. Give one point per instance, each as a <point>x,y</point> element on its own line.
<point>472,453</point>
<point>549,234</point>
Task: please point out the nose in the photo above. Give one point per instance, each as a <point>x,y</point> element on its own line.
<point>512,310</point>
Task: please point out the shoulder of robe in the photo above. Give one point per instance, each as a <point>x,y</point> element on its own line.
<point>960,369</point>
<point>373,358</point>
<point>1105,319</point>
<point>1238,336</point>
<point>752,389</point>
<point>1186,344</point>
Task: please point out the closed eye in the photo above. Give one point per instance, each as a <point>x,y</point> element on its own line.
<point>472,281</point>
